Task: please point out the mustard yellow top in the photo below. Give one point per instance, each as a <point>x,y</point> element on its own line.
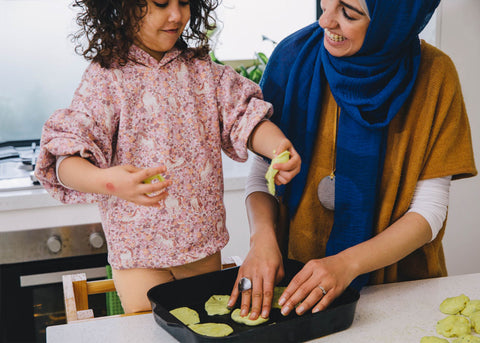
<point>429,138</point>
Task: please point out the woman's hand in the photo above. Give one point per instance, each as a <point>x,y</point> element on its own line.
<point>332,273</point>
<point>264,267</point>
<point>287,170</point>
<point>126,182</point>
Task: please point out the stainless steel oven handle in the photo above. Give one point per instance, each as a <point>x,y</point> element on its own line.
<point>56,277</point>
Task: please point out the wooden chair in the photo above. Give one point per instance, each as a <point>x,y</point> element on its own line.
<point>76,290</point>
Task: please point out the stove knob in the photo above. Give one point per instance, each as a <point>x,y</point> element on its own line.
<point>96,240</point>
<point>54,244</point>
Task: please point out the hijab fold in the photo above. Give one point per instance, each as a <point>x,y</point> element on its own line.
<point>370,87</point>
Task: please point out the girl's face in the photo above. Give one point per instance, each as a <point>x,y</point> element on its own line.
<point>162,25</point>
<point>345,25</point>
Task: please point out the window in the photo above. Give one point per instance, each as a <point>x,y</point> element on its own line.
<point>39,70</point>
<point>242,24</point>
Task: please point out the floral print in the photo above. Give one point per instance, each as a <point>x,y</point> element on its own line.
<point>181,112</point>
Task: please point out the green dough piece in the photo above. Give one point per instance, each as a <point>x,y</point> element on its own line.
<point>454,326</point>
<point>212,329</point>
<point>433,339</point>
<point>152,179</point>
<point>217,305</point>
<point>467,339</point>
<point>475,319</point>
<point>471,307</point>
<point>271,172</point>
<point>277,292</point>
<point>245,320</point>
<point>454,305</point>
<point>186,315</point>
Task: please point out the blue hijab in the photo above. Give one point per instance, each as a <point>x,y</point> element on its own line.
<point>370,87</point>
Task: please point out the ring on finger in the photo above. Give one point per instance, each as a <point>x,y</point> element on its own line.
<point>322,289</point>
<point>244,284</point>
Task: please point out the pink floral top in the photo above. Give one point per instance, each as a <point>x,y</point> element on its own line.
<point>181,112</point>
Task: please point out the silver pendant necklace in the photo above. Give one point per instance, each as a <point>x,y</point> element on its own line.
<point>326,186</point>
<point>326,192</point>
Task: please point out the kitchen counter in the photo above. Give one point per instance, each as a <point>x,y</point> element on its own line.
<point>401,312</point>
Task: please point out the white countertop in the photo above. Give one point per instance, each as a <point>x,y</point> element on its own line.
<point>402,312</point>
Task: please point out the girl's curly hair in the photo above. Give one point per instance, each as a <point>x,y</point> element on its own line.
<point>109,27</point>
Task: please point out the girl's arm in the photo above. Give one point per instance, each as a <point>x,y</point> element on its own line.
<point>125,182</point>
<point>269,141</point>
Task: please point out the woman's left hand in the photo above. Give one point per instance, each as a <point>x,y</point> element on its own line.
<point>332,273</point>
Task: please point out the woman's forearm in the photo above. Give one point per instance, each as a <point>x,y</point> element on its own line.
<point>404,236</point>
<point>262,210</point>
<point>81,175</point>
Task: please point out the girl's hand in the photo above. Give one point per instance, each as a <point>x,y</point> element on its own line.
<point>126,182</point>
<point>332,273</point>
<point>263,266</point>
<point>287,170</point>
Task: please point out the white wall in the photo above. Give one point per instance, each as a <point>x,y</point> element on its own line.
<point>459,31</point>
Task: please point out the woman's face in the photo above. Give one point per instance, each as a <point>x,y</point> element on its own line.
<point>345,25</point>
<point>162,25</point>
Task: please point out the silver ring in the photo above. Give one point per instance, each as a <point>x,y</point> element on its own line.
<point>323,290</point>
<point>244,284</point>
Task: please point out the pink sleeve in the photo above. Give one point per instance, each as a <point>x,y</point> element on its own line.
<point>241,107</point>
<point>85,129</point>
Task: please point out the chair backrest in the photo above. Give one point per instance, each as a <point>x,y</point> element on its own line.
<point>76,290</point>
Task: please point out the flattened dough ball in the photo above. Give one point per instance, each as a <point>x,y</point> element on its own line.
<point>454,326</point>
<point>475,319</point>
<point>186,315</point>
<point>471,307</point>
<point>212,329</point>
<point>454,305</point>
<point>433,339</point>
<point>467,339</point>
<point>245,320</point>
<point>217,305</point>
<point>271,172</point>
<point>277,293</point>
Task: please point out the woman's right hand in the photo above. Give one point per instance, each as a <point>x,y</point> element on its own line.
<point>264,267</point>
<point>126,182</point>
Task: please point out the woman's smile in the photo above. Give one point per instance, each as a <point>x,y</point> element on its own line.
<point>334,37</point>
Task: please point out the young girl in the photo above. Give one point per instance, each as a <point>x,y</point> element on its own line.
<point>148,104</point>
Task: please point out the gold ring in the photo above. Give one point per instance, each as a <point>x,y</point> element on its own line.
<point>323,290</point>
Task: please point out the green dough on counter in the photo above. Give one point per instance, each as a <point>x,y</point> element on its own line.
<point>454,305</point>
<point>467,339</point>
<point>433,339</point>
<point>212,329</point>
<point>217,305</point>
<point>186,315</point>
<point>245,320</point>
<point>277,292</point>
<point>471,307</point>
<point>271,172</point>
<point>454,326</point>
<point>475,319</point>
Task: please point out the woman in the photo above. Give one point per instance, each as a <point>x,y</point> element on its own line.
<point>379,121</point>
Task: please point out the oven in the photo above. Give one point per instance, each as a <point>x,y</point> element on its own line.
<point>32,263</point>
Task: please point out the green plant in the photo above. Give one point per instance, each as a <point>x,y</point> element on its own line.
<point>253,72</point>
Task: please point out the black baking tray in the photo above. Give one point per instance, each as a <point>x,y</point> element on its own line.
<point>195,291</point>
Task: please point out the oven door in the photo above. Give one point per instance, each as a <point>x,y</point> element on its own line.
<point>31,295</point>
